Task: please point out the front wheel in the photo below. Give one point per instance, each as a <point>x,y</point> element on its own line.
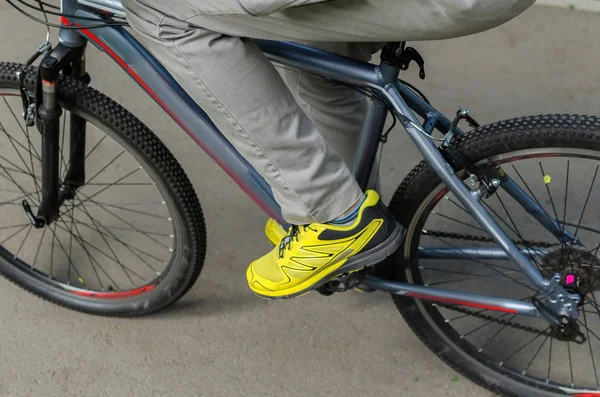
<point>131,241</point>
<point>555,159</point>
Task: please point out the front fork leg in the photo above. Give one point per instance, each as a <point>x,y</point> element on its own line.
<point>49,114</point>
<point>71,61</point>
<point>75,172</point>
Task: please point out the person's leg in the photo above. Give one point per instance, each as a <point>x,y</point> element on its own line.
<point>250,103</point>
<point>337,111</point>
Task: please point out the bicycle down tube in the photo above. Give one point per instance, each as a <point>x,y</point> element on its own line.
<point>161,86</point>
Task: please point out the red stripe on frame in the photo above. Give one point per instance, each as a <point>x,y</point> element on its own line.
<point>462,303</point>
<point>595,394</point>
<point>145,86</point>
<point>124,65</point>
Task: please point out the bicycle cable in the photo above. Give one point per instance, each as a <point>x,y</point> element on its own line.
<point>61,26</point>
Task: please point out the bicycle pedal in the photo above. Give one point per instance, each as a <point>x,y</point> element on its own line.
<point>342,283</point>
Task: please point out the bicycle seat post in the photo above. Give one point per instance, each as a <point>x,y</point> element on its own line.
<point>376,116</point>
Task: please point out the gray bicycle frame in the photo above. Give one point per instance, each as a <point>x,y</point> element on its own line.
<point>382,81</point>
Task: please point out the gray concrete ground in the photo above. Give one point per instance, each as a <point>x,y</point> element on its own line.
<point>221,340</point>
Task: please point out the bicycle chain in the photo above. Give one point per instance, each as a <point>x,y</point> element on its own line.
<point>484,239</point>
<point>487,317</point>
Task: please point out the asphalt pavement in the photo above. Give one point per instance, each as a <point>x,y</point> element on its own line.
<point>221,340</point>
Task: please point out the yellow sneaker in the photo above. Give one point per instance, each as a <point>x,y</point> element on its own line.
<point>274,231</point>
<point>309,256</point>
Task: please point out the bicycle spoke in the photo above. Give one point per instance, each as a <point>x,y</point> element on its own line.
<point>15,226</point>
<point>497,333</point>
<point>92,203</point>
<point>87,155</point>
<point>102,190</point>
<point>12,141</point>
<point>462,280</point>
<point>38,249</point>
<point>29,144</point>
<point>129,247</point>
<point>15,182</point>
<point>570,364</point>
<point>17,168</point>
<point>468,274</point>
<point>548,190</point>
<point>106,166</point>
<point>479,328</point>
<point>107,244</point>
<point>62,145</point>
<point>124,221</point>
<point>70,244</point>
<point>519,234</point>
<point>457,221</point>
<point>460,207</point>
<point>82,243</point>
<point>566,196</point>
<point>489,208</point>
<point>90,259</point>
<point>37,155</point>
<point>594,304</point>
<point>16,255</point>
<point>67,255</point>
<point>549,361</point>
<point>524,346</point>
<point>85,243</point>
<point>14,234</point>
<point>121,184</point>
<point>129,229</point>
<point>532,194</point>
<point>583,209</point>
<point>52,249</point>
<point>536,354</point>
<point>126,209</point>
<point>588,330</point>
<point>491,266</point>
<point>591,350</point>
<point>581,227</point>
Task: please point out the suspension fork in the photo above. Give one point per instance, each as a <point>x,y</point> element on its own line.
<point>71,61</point>
<point>75,172</point>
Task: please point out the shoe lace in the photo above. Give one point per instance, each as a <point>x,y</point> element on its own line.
<point>292,235</point>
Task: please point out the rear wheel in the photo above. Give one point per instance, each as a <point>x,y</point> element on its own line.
<point>556,160</point>
<point>133,238</point>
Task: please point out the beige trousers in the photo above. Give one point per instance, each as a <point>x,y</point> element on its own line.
<point>300,133</point>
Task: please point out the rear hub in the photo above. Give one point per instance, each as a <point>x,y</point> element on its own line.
<point>579,269</point>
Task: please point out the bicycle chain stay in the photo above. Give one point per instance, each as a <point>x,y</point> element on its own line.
<point>580,338</point>
<point>492,318</point>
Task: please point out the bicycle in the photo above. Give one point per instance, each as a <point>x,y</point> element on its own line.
<point>543,291</point>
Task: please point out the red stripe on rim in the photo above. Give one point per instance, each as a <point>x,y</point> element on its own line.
<point>114,295</point>
<point>595,394</point>
<point>462,303</point>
